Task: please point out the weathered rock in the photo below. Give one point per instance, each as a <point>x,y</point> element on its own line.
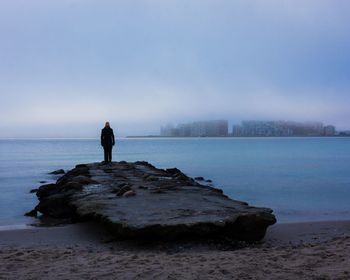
<point>173,171</point>
<point>32,213</point>
<point>139,200</point>
<point>46,190</point>
<point>57,172</point>
<point>57,206</point>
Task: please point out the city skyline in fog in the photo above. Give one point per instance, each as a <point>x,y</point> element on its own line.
<point>69,66</point>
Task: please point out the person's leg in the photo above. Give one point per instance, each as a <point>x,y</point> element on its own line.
<point>110,154</point>
<point>105,150</point>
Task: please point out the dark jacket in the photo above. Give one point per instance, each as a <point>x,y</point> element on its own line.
<point>107,137</point>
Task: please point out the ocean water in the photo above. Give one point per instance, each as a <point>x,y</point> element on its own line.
<point>301,179</point>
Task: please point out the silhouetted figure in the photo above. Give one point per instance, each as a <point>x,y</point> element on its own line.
<point>107,141</point>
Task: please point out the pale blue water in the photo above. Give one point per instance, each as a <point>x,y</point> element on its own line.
<point>302,179</point>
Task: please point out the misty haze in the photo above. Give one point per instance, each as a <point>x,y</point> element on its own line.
<point>68,66</point>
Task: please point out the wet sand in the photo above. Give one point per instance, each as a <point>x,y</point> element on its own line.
<point>318,250</point>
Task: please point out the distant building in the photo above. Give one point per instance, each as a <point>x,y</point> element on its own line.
<point>184,130</point>
<point>281,128</point>
<point>329,130</point>
<point>260,129</point>
<point>167,130</point>
<point>218,128</point>
<point>212,128</point>
<point>237,131</point>
<point>344,133</point>
<point>305,128</point>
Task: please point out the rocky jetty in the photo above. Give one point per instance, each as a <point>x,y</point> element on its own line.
<point>139,200</point>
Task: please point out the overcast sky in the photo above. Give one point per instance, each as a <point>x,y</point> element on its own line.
<point>67,66</point>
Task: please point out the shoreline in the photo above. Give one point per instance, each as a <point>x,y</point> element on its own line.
<point>280,234</point>
<point>82,251</point>
<point>301,233</point>
<point>166,137</point>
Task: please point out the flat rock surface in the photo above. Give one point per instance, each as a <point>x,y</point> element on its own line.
<point>139,200</point>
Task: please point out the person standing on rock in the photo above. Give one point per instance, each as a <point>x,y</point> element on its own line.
<point>107,142</point>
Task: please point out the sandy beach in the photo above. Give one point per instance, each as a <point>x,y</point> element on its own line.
<point>318,250</point>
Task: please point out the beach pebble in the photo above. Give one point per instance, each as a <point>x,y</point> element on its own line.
<point>129,193</point>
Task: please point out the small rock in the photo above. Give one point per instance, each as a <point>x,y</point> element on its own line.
<point>122,190</point>
<point>45,190</point>
<point>84,180</point>
<point>58,171</point>
<point>32,213</point>
<point>172,171</point>
<point>182,177</point>
<point>33,190</point>
<point>209,181</point>
<point>152,178</point>
<point>80,165</point>
<point>43,182</point>
<point>129,193</point>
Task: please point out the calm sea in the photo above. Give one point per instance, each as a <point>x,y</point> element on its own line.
<point>301,179</point>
